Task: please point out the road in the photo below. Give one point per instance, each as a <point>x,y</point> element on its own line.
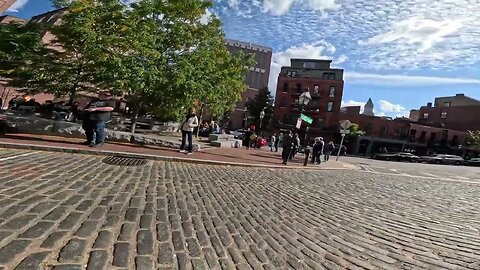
<point>416,170</point>
<point>67,211</point>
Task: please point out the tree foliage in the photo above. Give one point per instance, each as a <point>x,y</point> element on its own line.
<point>161,55</point>
<point>473,140</point>
<point>263,102</point>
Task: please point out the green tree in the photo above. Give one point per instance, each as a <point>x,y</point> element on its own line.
<point>262,102</point>
<point>473,139</point>
<point>20,46</point>
<point>64,66</point>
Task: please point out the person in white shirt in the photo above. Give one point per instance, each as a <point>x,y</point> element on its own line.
<point>187,127</point>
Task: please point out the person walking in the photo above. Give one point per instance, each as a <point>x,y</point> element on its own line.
<point>277,142</point>
<point>97,113</point>
<point>190,123</point>
<point>273,142</point>
<point>317,151</point>
<point>246,139</point>
<point>295,146</point>
<point>287,146</point>
<point>329,148</point>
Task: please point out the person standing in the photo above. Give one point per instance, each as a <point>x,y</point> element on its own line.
<point>246,139</point>
<point>190,123</point>
<point>273,142</point>
<point>287,146</point>
<point>317,151</point>
<point>97,113</point>
<point>295,146</point>
<point>329,148</point>
<point>279,141</point>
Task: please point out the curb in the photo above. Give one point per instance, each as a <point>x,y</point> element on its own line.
<point>158,157</point>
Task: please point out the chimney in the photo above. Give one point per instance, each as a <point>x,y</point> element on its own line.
<point>460,95</point>
<point>429,104</point>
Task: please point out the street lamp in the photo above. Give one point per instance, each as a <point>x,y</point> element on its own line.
<point>303,101</point>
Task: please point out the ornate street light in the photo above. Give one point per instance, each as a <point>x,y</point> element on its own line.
<point>304,99</point>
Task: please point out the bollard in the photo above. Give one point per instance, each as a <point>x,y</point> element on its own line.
<point>307,155</point>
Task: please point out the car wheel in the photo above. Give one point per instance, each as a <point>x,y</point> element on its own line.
<point>387,159</point>
<point>438,162</point>
<point>457,163</point>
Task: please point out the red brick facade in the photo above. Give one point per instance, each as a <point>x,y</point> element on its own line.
<point>5,4</point>
<point>326,88</point>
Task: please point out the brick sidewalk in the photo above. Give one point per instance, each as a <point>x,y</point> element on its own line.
<point>252,157</point>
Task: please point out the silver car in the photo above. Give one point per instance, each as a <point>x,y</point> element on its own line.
<point>444,159</point>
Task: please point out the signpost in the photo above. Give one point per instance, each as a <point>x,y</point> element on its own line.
<point>299,123</point>
<point>306,118</point>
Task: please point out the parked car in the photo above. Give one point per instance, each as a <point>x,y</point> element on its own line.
<point>239,134</point>
<point>443,159</point>
<point>473,162</point>
<point>398,157</point>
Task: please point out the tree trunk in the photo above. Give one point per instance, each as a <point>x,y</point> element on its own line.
<point>73,93</point>
<point>200,119</point>
<point>136,110</point>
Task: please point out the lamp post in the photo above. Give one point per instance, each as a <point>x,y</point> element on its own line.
<point>303,101</point>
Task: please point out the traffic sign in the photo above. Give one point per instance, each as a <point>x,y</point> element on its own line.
<point>299,123</point>
<point>345,124</point>
<point>306,118</point>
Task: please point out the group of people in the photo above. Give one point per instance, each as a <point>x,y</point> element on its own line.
<point>291,144</point>
<point>208,128</point>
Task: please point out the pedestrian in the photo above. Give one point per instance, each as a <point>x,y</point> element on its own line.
<point>295,146</point>
<point>187,127</point>
<point>253,140</point>
<point>273,142</point>
<point>97,113</point>
<point>329,148</point>
<point>246,139</point>
<point>287,146</point>
<point>277,141</point>
<point>318,148</point>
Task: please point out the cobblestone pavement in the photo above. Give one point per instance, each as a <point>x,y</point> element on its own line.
<point>66,211</point>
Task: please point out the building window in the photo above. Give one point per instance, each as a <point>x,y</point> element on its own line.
<point>448,104</point>
<point>285,87</point>
<point>283,102</point>
<point>332,91</point>
<point>444,115</point>
<point>309,65</point>
<point>385,130</point>
<point>299,87</point>
<point>331,76</point>
<point>289,74</point>
<point>247,100</point>
<point>425,116</point>
<point>316,89</point>
<point>294,73</point>
<point>330,106</point>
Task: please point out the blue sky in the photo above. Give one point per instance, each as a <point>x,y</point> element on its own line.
<point>400,53</point>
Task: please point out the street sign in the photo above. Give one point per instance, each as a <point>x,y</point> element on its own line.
<point>345,124</point>
<point>344,131</point>
<point>299,123</point>
<point>306,118</point>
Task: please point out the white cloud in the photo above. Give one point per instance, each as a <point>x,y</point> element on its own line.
<point>279,7</point>
<point>19,4</point>
<point>388,107</point>
<point>350,103</point>
<point>341,59</point>
<point>418,31</point>
<point>311,51</point>
<point>403,80</point>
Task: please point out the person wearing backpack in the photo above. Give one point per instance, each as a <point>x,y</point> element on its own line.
<point>187,127</point>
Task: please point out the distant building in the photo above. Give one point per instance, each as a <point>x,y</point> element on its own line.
<point>400,134</point>
<point>256,78</point>
<point>11,19</point>
<point>5,4</point>
<point>368,109</point>
<point>414,115</point>
<point>325,85</point>
<point>457,112</point>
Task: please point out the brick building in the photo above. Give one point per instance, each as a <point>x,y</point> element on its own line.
<point>256,78</point>
<point>325,85</point>
<point>401,134</point>
<point>457,112</point>
<point>5,4</point>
